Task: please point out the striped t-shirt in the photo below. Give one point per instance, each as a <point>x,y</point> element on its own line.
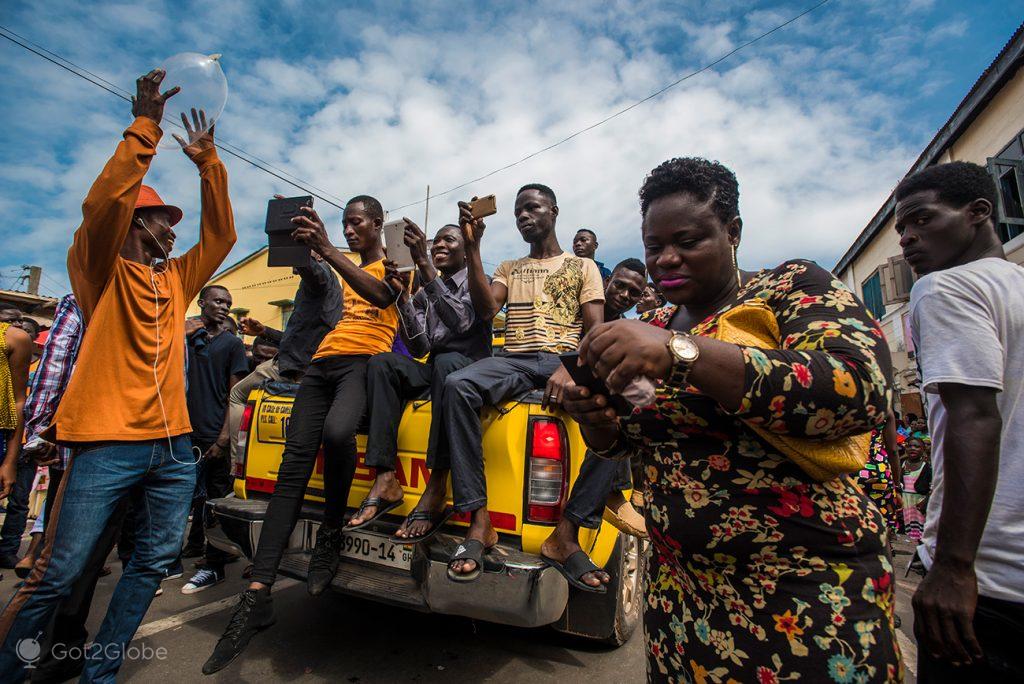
<point>545,301</point>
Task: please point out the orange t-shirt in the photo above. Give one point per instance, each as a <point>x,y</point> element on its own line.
<point>112,395</point>
<point>363,328</point>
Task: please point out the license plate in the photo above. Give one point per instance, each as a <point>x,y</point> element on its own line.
<point>376,549</point>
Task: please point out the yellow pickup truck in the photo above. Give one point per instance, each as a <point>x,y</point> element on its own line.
<point>532,457</point>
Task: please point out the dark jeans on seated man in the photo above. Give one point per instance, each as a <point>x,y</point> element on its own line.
<point>598,478</point>
<point>392,379</point>
<point>485,383</point>
<point>328,408</point>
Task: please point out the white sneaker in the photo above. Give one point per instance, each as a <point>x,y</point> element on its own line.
<point>202,580</point>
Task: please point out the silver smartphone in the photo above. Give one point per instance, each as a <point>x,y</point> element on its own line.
<point>394,245</point>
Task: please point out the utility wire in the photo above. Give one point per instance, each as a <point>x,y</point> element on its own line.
<point>106,85</point>
<point>113,89</point>
<point>621,111</point>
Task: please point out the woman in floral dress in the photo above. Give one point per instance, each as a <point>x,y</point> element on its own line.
<point>758,573</point>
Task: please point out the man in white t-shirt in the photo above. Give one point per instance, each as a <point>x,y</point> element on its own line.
<point>967,313</point>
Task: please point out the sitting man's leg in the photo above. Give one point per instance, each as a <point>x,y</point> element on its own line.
<point>484,383</point>
<point>340,454</point>
<point>429,511</point>
<point>254,611</point>
<point>239,395</point>
<point>599,481</point>
<point>391,379</point>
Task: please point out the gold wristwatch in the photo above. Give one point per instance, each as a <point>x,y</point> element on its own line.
<point>685,353</point>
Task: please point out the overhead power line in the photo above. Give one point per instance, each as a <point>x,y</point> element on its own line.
<point>309,188</point>
<point>116,90</point>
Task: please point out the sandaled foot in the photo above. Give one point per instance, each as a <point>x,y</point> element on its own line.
<point>580,571</point>
<point>384,495</point>
<point>466,561</point>
<point>421,525</point>
<point>585,575</point>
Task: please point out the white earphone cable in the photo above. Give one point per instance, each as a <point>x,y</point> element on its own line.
<point>156,359</point>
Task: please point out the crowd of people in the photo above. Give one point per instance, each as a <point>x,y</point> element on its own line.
<point>772,467</point>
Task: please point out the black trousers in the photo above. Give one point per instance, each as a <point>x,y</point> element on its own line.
<point>598,478</point>
<point>392,379</point>
<point>999,626</point>
<point>213,481</point>
<point>328,408</point>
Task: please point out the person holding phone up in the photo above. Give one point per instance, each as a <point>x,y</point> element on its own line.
<point>438,323</point>
<point>553,298</point>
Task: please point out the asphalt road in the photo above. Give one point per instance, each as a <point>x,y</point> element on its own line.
<point>341,639</point>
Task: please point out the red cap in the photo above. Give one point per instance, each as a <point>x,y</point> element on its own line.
<point>148,198</point>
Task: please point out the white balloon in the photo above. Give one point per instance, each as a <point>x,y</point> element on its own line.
<point>203,86</point>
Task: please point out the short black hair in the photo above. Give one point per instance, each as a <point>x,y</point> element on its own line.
<point>708,181</point>
<point>957,183</point>
<point>32,322</point>
<point>634,265</point>
<point>542,189</point>
<point>587,230</point>
<point>371,205</point>
<point>207,288</point>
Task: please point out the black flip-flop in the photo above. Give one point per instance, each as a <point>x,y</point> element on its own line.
<point>468,549</point>
<point>574,567</point>
<point>436,519</point>
<point>382,508</point>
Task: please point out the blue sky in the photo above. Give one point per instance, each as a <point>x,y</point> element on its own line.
<point>819,121</point>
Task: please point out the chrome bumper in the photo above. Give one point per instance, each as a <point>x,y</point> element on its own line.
<point>523,593</point>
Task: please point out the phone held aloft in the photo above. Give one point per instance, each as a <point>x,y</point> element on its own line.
<point>395,247</point>
<point>283,249</point>
<point>478,209</point>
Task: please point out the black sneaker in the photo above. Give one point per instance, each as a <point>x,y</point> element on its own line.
<point>324,563</point>
<point>254,612</point>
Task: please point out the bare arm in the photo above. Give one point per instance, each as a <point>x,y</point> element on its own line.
<point>487,297</point>
<point>310,230</point>
<point>19,345</point>
<point>945,601</point>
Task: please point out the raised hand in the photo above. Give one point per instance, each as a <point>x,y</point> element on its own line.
<point>148,101</point>
<point>310,231</point>
<point>472,229</point>
<point>417,242</point>
<point>395,280</point>
<point>250,326</point>
<point>200,138</point>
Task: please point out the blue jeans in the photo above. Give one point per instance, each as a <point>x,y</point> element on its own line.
<point>93,485</point>
<point>17,508</point>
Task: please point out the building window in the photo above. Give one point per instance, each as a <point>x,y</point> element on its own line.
<point>871,291</point>
<point>286,306</point>
<point>1007,169</point>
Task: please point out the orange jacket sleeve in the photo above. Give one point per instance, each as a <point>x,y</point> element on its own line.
<point>216,229</point>
<point>107,213</point>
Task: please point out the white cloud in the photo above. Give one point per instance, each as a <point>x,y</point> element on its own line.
<point>374,101</point>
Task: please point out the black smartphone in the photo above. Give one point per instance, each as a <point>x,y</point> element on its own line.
<point>584,377</point>
<point>283,250</point>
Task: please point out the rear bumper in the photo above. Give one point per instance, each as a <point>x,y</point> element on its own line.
<point>524,593</point>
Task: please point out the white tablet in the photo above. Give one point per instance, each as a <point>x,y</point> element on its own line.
<point>395,247</point>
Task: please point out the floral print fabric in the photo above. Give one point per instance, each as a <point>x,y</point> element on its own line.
<point>759,573</point>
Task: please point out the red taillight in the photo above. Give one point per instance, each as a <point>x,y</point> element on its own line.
<point>549,471</point>
<point>242,441</point>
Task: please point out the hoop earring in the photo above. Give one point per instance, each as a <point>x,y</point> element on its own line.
<point>735,267</point>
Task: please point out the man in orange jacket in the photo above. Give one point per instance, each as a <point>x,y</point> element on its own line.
<point>124,408</point>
